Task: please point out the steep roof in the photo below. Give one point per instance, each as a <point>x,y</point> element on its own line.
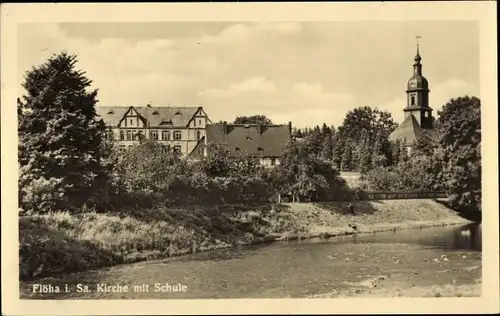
<point>410,130</point>
<point>270,139</point>
<point>155,116</point>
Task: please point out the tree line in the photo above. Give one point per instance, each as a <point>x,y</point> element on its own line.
<point>69,160</point>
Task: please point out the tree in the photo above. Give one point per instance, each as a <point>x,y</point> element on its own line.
<point>366,118</point>
<point>338,151</point>
<point>314,141</point>
<point>217,162</point>
<point>381,151</point>
<point>148,167</point>
<point>424,145</point>
<point>416,174</point>
<point>364,152</point>
<point>325,130</point>
<point>396,152</point>
<point>327,147</point>
<point>460,141</point>
<point>254,119</point>
<point>403,153</point>
<point>59,135</point>
<point>346,164</point>
<point>305,176</point>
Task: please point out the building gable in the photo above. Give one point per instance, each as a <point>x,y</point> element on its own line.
<point>151,116</point>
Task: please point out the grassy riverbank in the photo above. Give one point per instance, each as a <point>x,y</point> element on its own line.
<point>61,242</point>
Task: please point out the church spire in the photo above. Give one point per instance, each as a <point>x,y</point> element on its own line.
<point>417,66</point>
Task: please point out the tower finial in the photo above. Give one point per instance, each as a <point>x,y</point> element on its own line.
<point>417,57</point>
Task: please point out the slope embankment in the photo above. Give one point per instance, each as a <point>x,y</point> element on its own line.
<point>63,242</point>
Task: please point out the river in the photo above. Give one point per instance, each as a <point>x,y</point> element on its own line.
<point>417,257</point>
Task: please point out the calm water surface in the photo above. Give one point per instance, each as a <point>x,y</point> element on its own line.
<point>440,255</point>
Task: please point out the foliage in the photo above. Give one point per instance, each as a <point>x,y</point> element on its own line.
<point>307,177</point>
<point>415,175</point>
<point>254,119</point>
<point>425,145</point>
<point>380,179</point>
<point>365,152</point>
<point>381,154</point>
<point>460,141</point>
<point>147,167</point>
<point>366,118</point>
<point>59,137</point>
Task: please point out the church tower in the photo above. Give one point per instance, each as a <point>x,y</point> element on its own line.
<point>417,96</point>
<point>417,113</point>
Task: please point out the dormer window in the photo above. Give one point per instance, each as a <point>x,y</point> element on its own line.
<point>155,112</point>
<point>248,138</point>
<point>177,113</point>
<point>260,149</point>
<point>110,112</point>
<point>237,148</point>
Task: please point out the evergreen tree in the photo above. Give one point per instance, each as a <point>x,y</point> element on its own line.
<point>403,153</point>
<point>333,130</point>
<point>60,152</point>
<point>325,130</point>
<point>365,152</point>
<point>346,164</point>
<point>381,151</point>
<point>396,152</point>
<point>338,151</point>
<point>327,148</point>
<point>315,141</point>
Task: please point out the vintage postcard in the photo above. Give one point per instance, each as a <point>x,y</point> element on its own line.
<point>249,158</point>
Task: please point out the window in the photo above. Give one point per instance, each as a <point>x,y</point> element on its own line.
<point>273,161</point>
<point>198,135</point>
<point>122,135</point>
<point>200,123</point>
<point>177,149</point>
<point>412,100</point>
<point>140,136</point>
<point>154,135</point>
<point>194,122</point>
<point>131,122</point>
<point>237,148</point>
<point>165,135</point>
<point>177,135</point>
<point>426,114</point>
<point>129,135</point>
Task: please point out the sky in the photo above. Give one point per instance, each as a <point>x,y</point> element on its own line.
<point>306,72</point>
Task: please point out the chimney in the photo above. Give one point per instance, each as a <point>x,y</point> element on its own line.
<point>224,127</point>
<point>259,129</point>
<point>290,126</point>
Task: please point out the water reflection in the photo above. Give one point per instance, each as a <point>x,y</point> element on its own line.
<point>447,237</point>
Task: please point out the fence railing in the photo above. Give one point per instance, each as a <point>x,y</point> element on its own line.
<point>403,195</point>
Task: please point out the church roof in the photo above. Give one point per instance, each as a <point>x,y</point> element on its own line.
<point>154,116</point>
<point>410,130</point>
